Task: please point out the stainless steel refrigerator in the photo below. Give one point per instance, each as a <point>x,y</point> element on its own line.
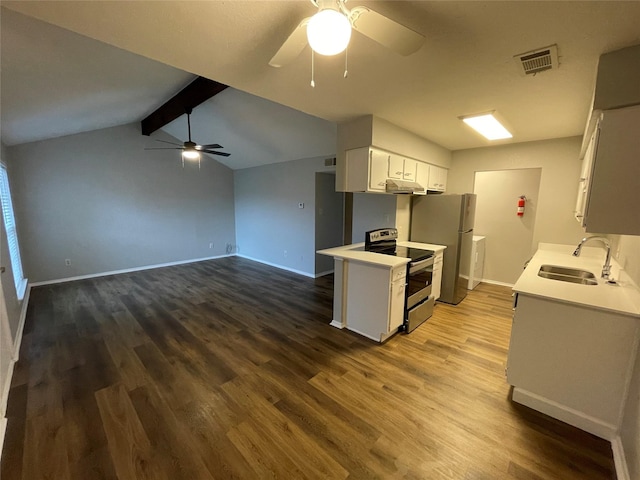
<point>447,220</point>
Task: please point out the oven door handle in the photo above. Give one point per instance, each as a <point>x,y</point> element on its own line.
<point>415,267</point>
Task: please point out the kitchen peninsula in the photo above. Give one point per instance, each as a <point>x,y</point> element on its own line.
<point>370,288</point>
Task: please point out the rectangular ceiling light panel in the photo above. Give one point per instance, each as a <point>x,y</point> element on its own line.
<point>487,126</point>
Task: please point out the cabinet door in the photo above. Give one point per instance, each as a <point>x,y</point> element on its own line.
<point>396,310</point>
<point>410,170</point>
<point>585,179</point>
<point>396,167</point>
<point>437,178</point>
<point>378,164</point>
<point>437,275</point>
<point>422,176</point>
<point>612,194</point>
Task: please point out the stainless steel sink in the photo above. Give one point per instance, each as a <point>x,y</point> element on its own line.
<point>566,274</point>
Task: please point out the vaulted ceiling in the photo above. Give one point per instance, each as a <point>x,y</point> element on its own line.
<point>465,66</point>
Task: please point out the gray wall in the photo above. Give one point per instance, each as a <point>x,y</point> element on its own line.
<point>509,237</point>
<point>329,219</point>
<point>102,201</point>
<point>560,166</point>
<point>371,211</point>
<point>268,220</point>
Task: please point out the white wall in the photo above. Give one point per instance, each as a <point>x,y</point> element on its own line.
<point>268,220</point>
<point>102,201</point>
<point>560,166</point>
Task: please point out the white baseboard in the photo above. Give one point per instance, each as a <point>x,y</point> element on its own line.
<point>281,267</point>
<point>3,430</point>
<point>322,274</point>
<point>5,389</point>
<point>622,471</point>
<point>23,318</point>
<point>566,414</point>
<point>337,324</point>
<point>495,282</point>
<point>126,270</point>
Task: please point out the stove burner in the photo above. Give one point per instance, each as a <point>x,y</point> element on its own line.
<point>384,241</point>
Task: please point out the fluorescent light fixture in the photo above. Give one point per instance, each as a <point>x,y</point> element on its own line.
<point>487,126</point>
<point>329,32</point>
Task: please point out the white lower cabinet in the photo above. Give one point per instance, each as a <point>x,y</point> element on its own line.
<point>375,299</point>
<point>437,275</point>
<point>571,362</point>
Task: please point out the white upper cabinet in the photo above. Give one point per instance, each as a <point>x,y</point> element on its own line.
<point>396,167</point>
<point>422,176</point>
<point>367,170</point>
<point>378,167</point>
<point>610,177</point>
<point>437,179</point>
<point>409,170</point>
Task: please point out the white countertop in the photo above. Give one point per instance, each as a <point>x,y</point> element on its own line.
<point>355,252</point>
<point>623,297</point>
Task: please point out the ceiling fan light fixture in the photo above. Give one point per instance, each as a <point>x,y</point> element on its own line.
<point>329,32</point>
<point>191,154</point>
<point>487,125</point>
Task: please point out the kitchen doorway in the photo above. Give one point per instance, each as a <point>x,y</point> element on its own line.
<point>509,236</point>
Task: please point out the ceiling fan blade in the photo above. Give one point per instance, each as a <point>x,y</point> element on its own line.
<point>292,47</point>
<point>209,145</point>
<point>212,152</point>
<point>165,148</point>
<point>385,31</point>
<point>170,143</point>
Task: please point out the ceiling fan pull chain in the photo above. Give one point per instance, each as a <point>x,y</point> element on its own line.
<point>199,159</point>
<point>182,161</point>
<point>313,84</point>
<point>346,57</point>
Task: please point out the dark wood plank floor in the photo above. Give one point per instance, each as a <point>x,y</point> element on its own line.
<point>229,369</point>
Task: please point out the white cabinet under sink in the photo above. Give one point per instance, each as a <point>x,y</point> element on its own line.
<point>571,362</point>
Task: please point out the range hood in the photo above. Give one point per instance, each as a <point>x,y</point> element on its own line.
<point>402,186</point>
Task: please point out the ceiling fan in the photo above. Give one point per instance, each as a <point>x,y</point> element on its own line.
<point>328,32</point>
<point>190,149</point>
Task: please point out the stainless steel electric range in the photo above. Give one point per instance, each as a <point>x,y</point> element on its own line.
<point>418,300</point>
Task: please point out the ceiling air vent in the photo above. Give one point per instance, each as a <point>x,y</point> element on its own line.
<point>530,63</point>
<point>330,162</point>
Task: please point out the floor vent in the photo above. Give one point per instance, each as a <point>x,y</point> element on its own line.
<point>330,162</point>
<point>530,63</point>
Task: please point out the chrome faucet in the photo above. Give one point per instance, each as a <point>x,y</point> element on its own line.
<point>606,269</point>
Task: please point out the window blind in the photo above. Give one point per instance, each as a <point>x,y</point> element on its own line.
<point>12,234</point>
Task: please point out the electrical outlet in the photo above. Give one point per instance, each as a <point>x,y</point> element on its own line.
<point>211,245</point>
<point>285,253</point>
<point>67,262</point>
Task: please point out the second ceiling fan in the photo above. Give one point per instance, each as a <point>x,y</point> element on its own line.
<point>190,149</point>
<point>329,30</point>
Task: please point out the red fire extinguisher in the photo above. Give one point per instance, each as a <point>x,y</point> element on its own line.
<point>521,202</point>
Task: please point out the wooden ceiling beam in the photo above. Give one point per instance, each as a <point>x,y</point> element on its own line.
<point>197,92</point>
